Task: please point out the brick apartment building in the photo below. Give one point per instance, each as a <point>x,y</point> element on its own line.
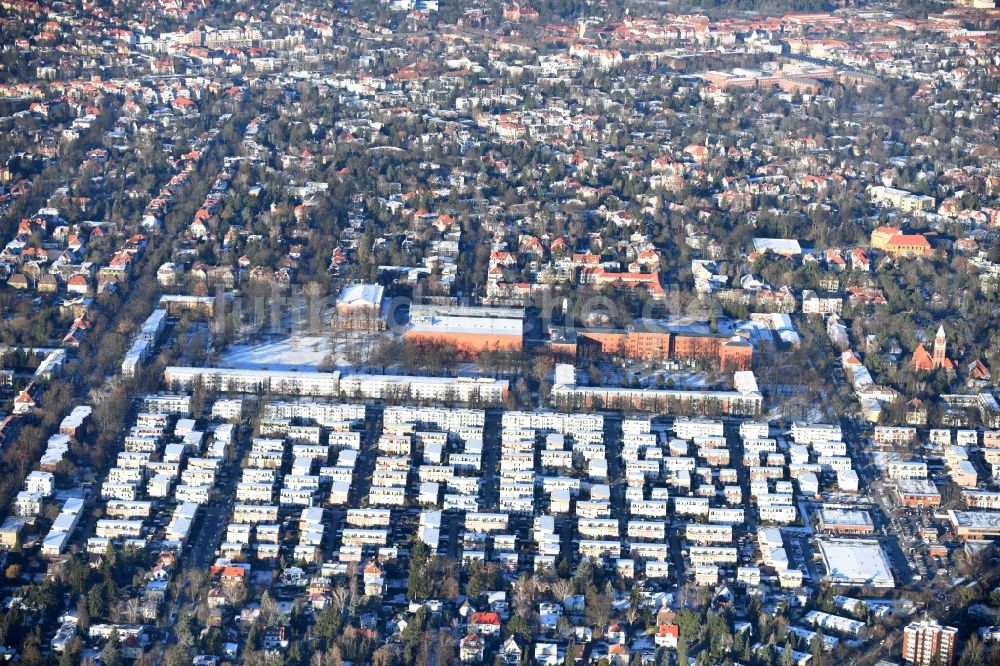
<point>927,642</point>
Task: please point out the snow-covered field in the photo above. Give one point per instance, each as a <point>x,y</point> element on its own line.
<point>292,353</point>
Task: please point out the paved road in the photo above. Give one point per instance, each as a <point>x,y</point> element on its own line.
<point>490,487</point>
<point>868,478</point>
<point>217,513</point>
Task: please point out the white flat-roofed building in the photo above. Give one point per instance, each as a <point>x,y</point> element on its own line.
<point>553,421</point>
<point>648,508</point>
<point>808,484</point>
<point>126,475</point>
<point>843,626</point>
<point>239,533</point>
<point>689,428</point>
<point>228,409</point>
<point>676,463</point>
<point>255,513</point>
<point>741,401</point>
<point>981,499</point>
<point>42,483</point>
<point>28,504</point>
<point>404,387</point>
<point>166,403</point>
<point>552,483</point>
<point>705,534</point>
<point>637,425</point>
<point>712,555</point>
<point>856,562</point>
<point>808,433</point>
<point>649,469</point>
<point>389,478</point>
<point>365,518</point>
<point>975,524</point>
<point>435,473</point>
<point>119,491</point>
<point>141,444</point>
<point>358,537</point>
<point>196,494</point>
<point>904,201</point>
<point>829,448</point>
<point>268,475</point>
<point>296,497</point>
<point>255,493</point>
<point>847,480</point>
<point>599,549</point>
<point>112,529</point>
<point>129,510</point>
<point>646,530</point>
<point>964,474</point>
<point>326,414</point>
<point>597,528</point>
<point>726,516</point>
<point>786,247</point>
<point>160,486</point>
<point>308,482</point>
<point>784,515</point>
<point>939,436</point>
<point>198,477</point>
<point>592,509</point>
<point>466,461</point>
<point>748,576</point>
<point>657,569</point>
<point>387,496</point>
<point>765,472</point>
<point>795,470</point>
<point>557,459</point>
<point>691,506</point>
<point>798,454</point>
<point>486,522</point>
<point>130,460</point>
<point>897,470</point>
<point>754,430</point>
<point>429,493</point>
<point>790,578</point>
<point>894,434</point>
<point>845,521</point>
<point>236,380</point>
<point>339,492</point>
<point>715,457</point>
<point>706,574</point>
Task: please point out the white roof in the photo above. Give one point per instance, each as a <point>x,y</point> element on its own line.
<point>361,294</point>
<point>856,561</point>
<point>777,245</point>
<point>845,517</point>
<point>469,325</point>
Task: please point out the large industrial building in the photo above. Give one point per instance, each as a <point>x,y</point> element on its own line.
<point>731,354</point>
<point>483,391</point>
<point>856,562</point>
<point>470,329</point>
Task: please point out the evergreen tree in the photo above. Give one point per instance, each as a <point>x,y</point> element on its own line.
<point>111,655</point>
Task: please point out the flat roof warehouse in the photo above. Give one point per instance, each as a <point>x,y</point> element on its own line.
<point>856,562</point>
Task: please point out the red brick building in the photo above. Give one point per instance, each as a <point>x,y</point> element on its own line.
<point>927,642</point>
<point>731,355</point>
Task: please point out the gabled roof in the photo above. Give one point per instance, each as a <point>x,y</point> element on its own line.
<point>486,618</point>
<point>922,359</point>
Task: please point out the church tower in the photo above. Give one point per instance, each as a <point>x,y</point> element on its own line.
<point>940,345</point>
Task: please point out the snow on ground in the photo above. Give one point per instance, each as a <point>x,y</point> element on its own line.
<point>305,354</point>
<point>302,353</point>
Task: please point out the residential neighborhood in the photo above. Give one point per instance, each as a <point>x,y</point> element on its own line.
<point>403,332</point>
